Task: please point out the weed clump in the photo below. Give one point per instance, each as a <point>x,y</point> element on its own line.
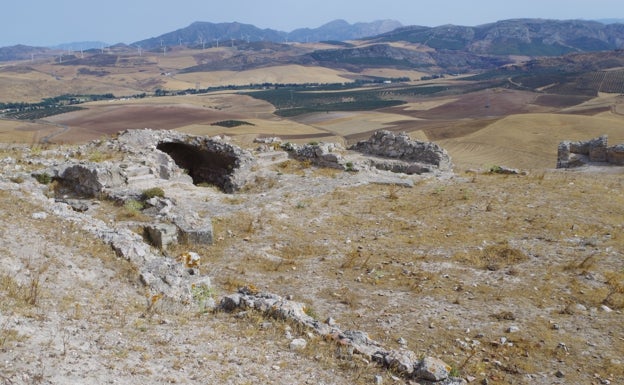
<point>154,192</point>
<point>495,257</point>
<point>43,178</point>
<point>133,208</point>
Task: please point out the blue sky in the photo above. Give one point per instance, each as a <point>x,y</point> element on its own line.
<point>50,22</point>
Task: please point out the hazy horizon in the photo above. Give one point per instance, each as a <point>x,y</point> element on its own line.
<point>43,23</point>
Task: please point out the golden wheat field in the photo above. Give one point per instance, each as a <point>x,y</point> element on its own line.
<point>530,141</point>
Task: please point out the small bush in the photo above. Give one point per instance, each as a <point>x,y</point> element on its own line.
<point>96,157</point>
<point>153,192</point>
<point>309,311</point>
<point>44,178</point>
<point>203,296</point>
<point>133,207</point>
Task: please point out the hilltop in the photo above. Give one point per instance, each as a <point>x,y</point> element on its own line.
<point>497,274</point>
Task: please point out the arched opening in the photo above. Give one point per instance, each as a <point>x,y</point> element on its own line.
<point>203,165</point>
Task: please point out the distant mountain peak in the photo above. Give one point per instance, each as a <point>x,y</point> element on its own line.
<point>341,30</point>
<point>200,32</point>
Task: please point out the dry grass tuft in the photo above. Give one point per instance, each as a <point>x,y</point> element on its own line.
<point>495,257</point>
<point>615,281</point>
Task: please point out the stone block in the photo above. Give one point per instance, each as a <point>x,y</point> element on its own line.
<point>615,155</point>
<point>433,369</point>
<point>197,233</point>
<point>598,149</point>
<point>162,235</point>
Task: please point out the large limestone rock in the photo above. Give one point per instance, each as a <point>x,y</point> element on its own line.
<point>432,369</point>
<point>88,179</point>
<point>195,230</point>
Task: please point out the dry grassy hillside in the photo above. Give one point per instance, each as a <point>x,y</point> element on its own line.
<point>529,141</point>
<point>510,278</point>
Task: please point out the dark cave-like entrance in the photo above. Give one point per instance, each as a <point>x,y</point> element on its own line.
<point>203,165</point>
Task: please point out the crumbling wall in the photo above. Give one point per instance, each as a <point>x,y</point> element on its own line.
<point>403,362</point>
<point>320,154</point>
<point>576,154</point>
<point>414,156</point>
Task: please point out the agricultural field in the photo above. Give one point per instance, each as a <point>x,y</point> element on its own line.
<point>474,116</point>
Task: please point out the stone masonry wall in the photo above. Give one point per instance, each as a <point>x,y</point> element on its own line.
<point>576,154</point>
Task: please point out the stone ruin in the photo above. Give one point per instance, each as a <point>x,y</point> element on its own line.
<point>402,362</point>
<point>399,153</point>
<point>150,155</point>
<point>385,150</point>
<point>595,151</point>
<point>151,158</point>
<point>212,161</point>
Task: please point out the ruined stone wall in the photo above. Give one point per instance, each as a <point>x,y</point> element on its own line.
<point>387,144</point>
<point>576,154</point>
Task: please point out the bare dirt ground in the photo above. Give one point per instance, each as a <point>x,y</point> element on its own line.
<point>482,104</point>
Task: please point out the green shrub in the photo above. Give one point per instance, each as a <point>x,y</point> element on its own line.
<point>203,295</point>
<point>152,192</point>
<point>133,206</point>
<point>44,178</point>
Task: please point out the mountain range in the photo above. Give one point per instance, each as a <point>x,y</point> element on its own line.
<point>387,42</point>
<point>207,34</point>
<point>530,37</point>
